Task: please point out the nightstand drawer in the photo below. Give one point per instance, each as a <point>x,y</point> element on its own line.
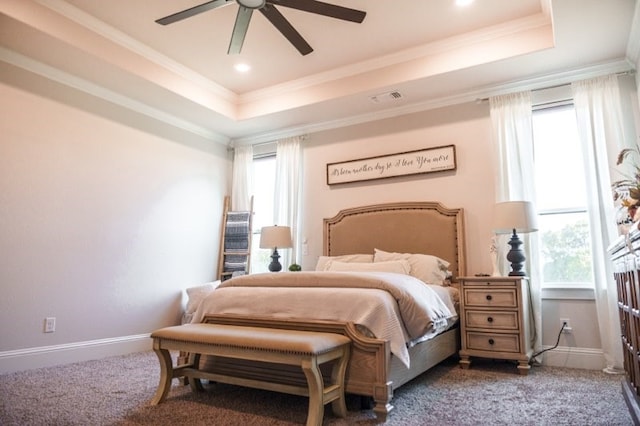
<point>488,283</point>
<point>503,320</point>
<point>493,342</point>
<point>502,298</point>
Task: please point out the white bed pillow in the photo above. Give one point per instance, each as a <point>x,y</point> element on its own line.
<point>359,258</point>
<point>196,294</point>
<point>397,266</point>
<point>427,268</point>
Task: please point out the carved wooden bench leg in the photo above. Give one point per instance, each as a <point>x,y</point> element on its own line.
<point>314,381</point>
<point>183,358</point>
<point>166,374</point>
<point>338,377</point>
<point>195,382</point>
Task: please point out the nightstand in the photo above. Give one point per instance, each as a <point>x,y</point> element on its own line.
<point>496,320</point>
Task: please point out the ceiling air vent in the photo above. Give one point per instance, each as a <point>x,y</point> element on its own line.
<point>386,97</point>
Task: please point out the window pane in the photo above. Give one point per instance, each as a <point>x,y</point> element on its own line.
<point>264,182</point>
<point>559,170</point>
<point>565,248</point>
<point>260,258</point>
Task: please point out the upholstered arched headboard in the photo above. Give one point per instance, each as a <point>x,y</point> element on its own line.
<point>407,227</point>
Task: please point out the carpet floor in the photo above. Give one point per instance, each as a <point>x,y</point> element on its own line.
<point>117,391</point>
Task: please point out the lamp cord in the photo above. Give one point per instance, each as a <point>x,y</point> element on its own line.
<point>564,324</point>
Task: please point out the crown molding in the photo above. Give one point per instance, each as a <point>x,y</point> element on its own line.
<point>475,95</point>
<point>107,31</point>
<point>85,86</point>
<point>484,35</point>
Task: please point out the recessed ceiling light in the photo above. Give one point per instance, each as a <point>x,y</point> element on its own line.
<point>463,2</point>
<point>242,67</point>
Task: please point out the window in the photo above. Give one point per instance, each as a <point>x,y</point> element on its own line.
<point>565,242</point>
<point>264,182</point>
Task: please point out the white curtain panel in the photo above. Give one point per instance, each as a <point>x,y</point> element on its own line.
<point>242,179</point>
<point>515,181</point>
<point>287,198</point>
<point>599,116</point>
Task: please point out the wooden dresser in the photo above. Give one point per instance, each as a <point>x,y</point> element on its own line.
<point>495,320</point>
<point>625,255</point>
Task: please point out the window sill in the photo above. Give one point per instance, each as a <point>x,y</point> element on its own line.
<point>567,293</point>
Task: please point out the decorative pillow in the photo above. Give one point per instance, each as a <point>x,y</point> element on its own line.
<point>397,266</point>
<point>359,258</point>
<point>196,294</point>
<point>427,268</point>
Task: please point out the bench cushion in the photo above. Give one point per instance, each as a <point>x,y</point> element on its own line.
<point>269,339</point>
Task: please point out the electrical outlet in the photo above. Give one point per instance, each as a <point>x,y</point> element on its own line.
<point>50,324</point>
<point>567,325</point>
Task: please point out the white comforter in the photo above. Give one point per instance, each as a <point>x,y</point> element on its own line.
<point>393,307</point>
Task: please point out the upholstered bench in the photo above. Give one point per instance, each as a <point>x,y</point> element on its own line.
<point>306,349</point>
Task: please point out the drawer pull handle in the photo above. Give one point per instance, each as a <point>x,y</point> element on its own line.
<point>491,341</point>
<point>490,319</point>
<point>489,297</point>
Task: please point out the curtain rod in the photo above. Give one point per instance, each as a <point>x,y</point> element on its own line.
<point>555,86</point>
<point>302,137</point>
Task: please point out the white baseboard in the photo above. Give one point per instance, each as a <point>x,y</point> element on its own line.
<point>569,357</point>
<point>47,356</point>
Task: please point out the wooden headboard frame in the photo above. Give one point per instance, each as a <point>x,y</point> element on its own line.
<point>406,227</point>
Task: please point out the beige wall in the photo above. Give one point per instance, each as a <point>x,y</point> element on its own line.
<point>470,186</point>
<point>101,224</point>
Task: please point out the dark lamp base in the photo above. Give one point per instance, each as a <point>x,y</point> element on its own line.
<point>516,256</point>
<point>275,265</point>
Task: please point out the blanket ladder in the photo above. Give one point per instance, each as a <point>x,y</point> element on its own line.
<point>235,241</point>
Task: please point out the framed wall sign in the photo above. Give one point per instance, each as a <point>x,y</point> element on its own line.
<point>426,160</point>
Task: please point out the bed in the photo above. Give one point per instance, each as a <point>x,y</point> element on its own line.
<point>374,370</point>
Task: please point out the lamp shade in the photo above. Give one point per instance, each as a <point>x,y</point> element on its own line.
<point>275,237</point>
<point>518,215</point>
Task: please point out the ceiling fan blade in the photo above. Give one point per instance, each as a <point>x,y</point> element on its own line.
<point>322,8</point>
<point>240,29</point>
<point>287,30</point>
<point>187,13</point>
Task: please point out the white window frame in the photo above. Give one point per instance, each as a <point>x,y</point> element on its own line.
<point>562,290</point>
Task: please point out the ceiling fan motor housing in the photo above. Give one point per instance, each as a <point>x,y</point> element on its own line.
<point>251,4</point>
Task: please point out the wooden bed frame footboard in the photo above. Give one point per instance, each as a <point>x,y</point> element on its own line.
<point>372,370</point>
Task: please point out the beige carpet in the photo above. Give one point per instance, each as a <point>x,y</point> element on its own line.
<point>117,390</point>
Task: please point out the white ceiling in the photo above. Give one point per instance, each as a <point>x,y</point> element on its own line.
<point>430,51</point>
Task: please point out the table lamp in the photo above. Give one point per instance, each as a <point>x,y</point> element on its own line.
<point>274,237</point>
<point>509,218</point>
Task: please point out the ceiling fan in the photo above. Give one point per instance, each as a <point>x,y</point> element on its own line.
<point>268,9</point>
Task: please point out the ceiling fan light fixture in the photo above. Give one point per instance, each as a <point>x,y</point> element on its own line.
<point>251,4</point>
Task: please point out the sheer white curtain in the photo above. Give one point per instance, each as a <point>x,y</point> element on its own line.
<point>242,179</point>
<point>515,181</point>
<point>286,203</point>
<point>599,116</point>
